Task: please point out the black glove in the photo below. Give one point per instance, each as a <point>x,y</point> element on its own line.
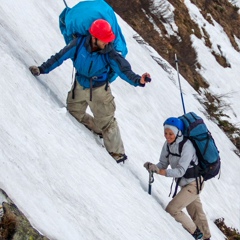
<point>34,70</point>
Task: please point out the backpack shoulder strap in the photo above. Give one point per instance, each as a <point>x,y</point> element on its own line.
<point>79,44</point>
<point>180,147</point>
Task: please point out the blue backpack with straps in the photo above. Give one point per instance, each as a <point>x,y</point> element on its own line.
<point>77,20</point>
<point>208,155</point>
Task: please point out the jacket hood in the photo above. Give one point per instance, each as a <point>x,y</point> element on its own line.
<point>177,140</point>
<point>107,49</point>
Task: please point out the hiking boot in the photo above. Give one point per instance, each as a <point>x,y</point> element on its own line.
<point>119,157</point>
<point>197,234</point>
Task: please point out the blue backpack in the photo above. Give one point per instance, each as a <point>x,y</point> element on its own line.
<point>208,155</point>
<point>78,19</point>
<point>75,22</point>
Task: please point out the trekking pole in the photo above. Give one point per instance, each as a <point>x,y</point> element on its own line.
<point>150,181</point>
<point>176,61</point>
<point>65,3</point>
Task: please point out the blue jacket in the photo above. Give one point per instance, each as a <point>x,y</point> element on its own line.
<point>92,64</point>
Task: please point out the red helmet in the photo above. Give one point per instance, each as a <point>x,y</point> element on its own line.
<point>102,30</point>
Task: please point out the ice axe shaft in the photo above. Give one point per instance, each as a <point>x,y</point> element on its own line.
<point>150,181</point>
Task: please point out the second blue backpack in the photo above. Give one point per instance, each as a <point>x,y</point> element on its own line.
<point>208,155</point>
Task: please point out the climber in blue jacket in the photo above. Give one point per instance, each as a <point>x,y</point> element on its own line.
<point>71,24</point>
<point>94,58</point>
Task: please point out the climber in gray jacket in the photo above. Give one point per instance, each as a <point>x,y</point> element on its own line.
<point>182,169</point>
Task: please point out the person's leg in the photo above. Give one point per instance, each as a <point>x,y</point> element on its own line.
<point>103,108</point>
<point>77,105</point>
<point>195,210</point>
<point>186,196</point>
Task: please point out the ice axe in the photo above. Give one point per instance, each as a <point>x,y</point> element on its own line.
<point>150,181</point>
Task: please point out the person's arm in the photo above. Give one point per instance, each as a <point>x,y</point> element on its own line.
<point>163,161</point>
<point>123,68</point>
<point>161,166</point>
<point>57,59</point>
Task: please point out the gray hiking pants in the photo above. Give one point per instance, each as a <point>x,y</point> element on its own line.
<point>103,108</point>
<point>189,198</point>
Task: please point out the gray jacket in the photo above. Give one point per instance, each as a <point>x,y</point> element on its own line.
<point>179,165</point>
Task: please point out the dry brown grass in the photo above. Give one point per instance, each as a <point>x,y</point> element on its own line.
<point>230,233</point>
<point>7,226</point>
<point>220,10</point>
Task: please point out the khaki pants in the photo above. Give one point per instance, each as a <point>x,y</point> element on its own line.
<point>103,108</point>
<point>189,198</point>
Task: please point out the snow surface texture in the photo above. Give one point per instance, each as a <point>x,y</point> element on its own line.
<point>51,167</point>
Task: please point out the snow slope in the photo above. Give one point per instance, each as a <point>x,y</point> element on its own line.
<point>51,166</point>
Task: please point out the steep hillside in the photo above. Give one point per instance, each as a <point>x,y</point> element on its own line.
<point>140,15</point>
<point>168,27</point>
<point>54,170</point>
